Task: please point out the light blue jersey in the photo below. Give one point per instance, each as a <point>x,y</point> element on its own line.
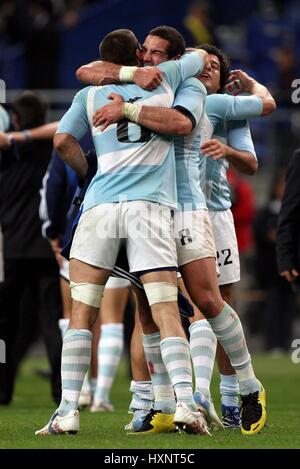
<point>133,162</point>
<point>191,97</point>
<point>4,119</point>
<point>225,121</point>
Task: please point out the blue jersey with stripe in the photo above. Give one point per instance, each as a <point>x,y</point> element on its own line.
<point>191,96</point>
<point>226,120</point>
<point>133,162</point>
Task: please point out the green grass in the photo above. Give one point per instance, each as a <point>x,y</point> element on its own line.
<point>32,408</point>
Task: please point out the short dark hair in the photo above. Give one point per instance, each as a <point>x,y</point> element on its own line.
<point>119,47</point>
<point>30,109</point>
<point>224,63</point>
<point>176,42</point>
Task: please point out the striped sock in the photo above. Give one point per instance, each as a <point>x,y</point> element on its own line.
<point>229,389</point>
<point>176,356</point>
<point>75,360</point>
<point>164,398</point>
<point>63,325</point>
<point>203,344</point>
<point>109,354</point>
<point>142,396</point>
<point>229,332</point>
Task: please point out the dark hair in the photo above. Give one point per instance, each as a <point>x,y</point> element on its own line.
<point>224,63</point>
<point>30,109</point>
<point>119,47</point>
<point>176,42</point>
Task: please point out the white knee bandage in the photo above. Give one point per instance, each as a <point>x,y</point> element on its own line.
<point>87,293</point>
<point>160,292</point>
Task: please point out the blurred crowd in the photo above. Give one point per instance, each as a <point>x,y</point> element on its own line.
<point>35,24</point>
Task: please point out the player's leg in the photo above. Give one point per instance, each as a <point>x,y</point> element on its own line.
<point>155,222</point>
<point>161,290</point>
<point>90,266</point>
<point>229,268</point>
<point>111,341</point>
<point>201,283</point>
<point>203,344</point>
<point>85,397</point>
<point>194,242</point>
<point>156,392</point>
<point>229,385</point>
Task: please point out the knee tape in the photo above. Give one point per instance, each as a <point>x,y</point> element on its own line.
<point>160,292</point>
<point>87,293</point>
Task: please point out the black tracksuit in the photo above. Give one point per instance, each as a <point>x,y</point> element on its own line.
<point>29,264</point>
<point>288,234</point>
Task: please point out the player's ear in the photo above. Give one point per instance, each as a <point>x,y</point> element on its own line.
<point>139,56</point>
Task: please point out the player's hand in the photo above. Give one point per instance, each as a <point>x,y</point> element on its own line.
<point>5,141</point>
<point>290,275</point>
<point>214,149</point>
<point>148,78</point>
<point>56,249</point>
<point>244,83</point>
<point>110,113</point>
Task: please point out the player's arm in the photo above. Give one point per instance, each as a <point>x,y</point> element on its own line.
<point>186,113</point>
<point>72,127</point>
<point>103,73</point>
<point>244,161</point>
<point>254,88</point>
<point>180,120</point>
<point>149,78</point>
<point>160,120</point>
<point>241,160</point>
<point>71,152</point>
<point>239,151</point>
<point>166,121</point>
<point>43,132</point>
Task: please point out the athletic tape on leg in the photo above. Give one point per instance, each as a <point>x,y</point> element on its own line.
<point>160,292</point>
<point>87,293</point>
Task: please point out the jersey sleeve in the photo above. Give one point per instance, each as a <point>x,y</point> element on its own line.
<point>176,71</point>
<point>190,98</point>
<point>225,107</point>
<point>4,119</point>
<point>75,122</point>
<point>239,136</point>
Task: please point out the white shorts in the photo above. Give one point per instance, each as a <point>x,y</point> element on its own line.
<point>226,245</point>
<point>115,282</point>
<point>145,228</point>
<point>112,282</point>
<point>194,236</point>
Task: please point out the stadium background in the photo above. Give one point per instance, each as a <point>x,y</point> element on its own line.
<point>260,36</point>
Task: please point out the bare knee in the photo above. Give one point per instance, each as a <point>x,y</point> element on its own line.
<point>209,304</point>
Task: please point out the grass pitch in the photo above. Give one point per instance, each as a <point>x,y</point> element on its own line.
<point>32,408</point>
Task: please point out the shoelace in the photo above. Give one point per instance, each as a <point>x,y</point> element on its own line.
<point>204,423</point>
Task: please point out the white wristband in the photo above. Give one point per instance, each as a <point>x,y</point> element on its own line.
<point>27,134</point>
<point>131,112</point>
<point>127,73</point>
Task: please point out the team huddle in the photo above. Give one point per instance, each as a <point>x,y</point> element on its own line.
<point>164,131</point>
